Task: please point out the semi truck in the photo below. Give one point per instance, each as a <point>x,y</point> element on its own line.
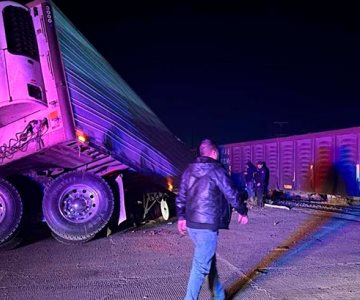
<point>71,125</point>
<point>323,163</point>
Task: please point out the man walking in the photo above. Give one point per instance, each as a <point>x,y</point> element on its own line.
<point>203,207</point>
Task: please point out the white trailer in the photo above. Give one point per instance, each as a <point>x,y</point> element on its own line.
<point>69,122</point>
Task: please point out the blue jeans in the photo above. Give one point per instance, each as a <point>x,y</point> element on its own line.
<point>204,264</point>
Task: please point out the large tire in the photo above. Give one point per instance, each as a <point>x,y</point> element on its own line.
<point>69,242</point>
<point>11,212</point>
<point>77,205</point>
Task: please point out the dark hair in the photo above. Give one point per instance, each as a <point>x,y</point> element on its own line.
<point>206,146</point>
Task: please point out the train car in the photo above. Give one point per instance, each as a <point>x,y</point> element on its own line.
<point>326,163</point>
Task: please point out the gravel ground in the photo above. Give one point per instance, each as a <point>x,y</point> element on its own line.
<point>280,254</point>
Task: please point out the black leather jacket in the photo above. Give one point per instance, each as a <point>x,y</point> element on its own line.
<point>205,194</point>
<point>260,178</point>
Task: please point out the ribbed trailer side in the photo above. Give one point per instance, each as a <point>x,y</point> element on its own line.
<point>109,112</point>
<point>326,162</point>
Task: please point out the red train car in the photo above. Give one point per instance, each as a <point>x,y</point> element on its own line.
<point>324,162</point>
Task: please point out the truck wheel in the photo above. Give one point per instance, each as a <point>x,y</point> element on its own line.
<point>168,208</point>
<point>165,209</point>
<point>77,205</point>
<point>11,212</point>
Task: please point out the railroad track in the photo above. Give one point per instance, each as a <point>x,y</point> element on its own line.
<point>353,209</point>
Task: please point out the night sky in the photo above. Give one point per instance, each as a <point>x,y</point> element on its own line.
<point>231,71</point>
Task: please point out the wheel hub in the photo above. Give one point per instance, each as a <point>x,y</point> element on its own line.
<point>78,203</point>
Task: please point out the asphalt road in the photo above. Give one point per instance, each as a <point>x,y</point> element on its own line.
<point>280,254</point>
